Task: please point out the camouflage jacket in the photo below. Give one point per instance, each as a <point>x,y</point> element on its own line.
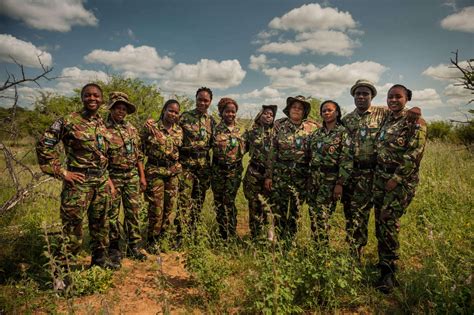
<point>85,141</point>
<point>228,144</point>
<point>259,143</point>
<point>161,145</point>
<point>363,130</point>
<point>290,143</point>
<point>331,153</point>
<point>197,137</point>
<point>400,145</point>
<point>125,145</point>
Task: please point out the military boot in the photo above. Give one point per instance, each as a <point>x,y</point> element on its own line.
<point>100,259</point>
<point>135,253</point>
<point>387,280</point>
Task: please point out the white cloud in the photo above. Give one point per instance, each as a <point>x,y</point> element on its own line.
<point>457,95</point>
<point>461,21</point>
<point>212,73</point>
<point>313,17</point>
<point>258,62</point>
<point>26,96</point>
<point>329,81</point>
<point>426,98</point>
<point>74,78</point>
<point>316,30</point>
<point>133,61</point>
<point>51,15</point>
<point>444,72</point>
<point>23,52</point>
<point>265,93</point>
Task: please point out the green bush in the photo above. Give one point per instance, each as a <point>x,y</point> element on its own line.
<point>439,130</point>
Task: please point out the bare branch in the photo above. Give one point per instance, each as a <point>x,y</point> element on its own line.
<point>12,81</point>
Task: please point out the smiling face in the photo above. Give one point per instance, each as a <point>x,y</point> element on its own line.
<point>171,113</point>
<point>119,112</point>
<point>296,112</point>
<point>229,113</point>
<point>92,98</point>
<point>267,117</point>
<point>203,101</point>
<point>329,112</point>
<point>396,99</point>
<point>362,98</point>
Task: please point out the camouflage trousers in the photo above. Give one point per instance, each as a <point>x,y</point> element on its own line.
<point>321,204</point>
<point>253,191</point>
<point>225,184</point>
<point>357,201</point>
<point>193,185</point>
<point>289,185</point>
<point>91,197</point>
<point>162,195</point>
<point>128,194</point>
<point>389,207</point>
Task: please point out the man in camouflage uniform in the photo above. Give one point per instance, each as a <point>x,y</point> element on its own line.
<point>228,148</point>
<point>363,125</point>
<point>288,171</point>
<point>400,146</point>
<point>194,156</point>
<point>126,172</point>
<point>86,184</point>
<point>259,140</point>
<point>161,142</point>
<point>331,166</point>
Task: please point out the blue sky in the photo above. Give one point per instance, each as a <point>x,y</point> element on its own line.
<point>258,52</point>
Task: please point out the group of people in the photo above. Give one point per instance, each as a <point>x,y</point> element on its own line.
<point>369,158</point>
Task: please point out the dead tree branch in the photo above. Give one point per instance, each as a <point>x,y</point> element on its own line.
<point>467,78</point>
<point>13,81</point>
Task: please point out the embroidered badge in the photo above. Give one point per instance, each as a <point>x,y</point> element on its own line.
<point>331,149</point>
<point>400,141</point>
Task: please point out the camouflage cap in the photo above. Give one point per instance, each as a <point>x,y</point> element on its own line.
<point>299,98</point>
<point>224,101</point>
<point>273,108</point>
<point>366,83</point>
<point>117,97</point>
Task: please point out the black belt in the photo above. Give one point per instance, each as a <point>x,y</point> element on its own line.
<point>293,163</point>
<point>196,154</point>
<point>226,166</point>
<point>389,169</point>
<point>88,171</point>
<point>120,170</point>
<point>365,165</point>
<point>159,163</point>
<point>258,167</point>
<point>329,169</point>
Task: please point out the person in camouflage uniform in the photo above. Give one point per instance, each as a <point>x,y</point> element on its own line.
<point>287,174</point>
<point>126,172</point>
<point>331,166</point>
<point>259,140</point>
<point>161,142</point>
<point>194,156</point>
<point>228,148</point>
<point>363,125</point>
<point>86,184</point>
<point>400,146</point>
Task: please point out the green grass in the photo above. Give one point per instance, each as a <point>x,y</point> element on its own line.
<point>436,265</point>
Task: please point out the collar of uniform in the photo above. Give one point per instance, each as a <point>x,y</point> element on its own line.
<point>86,115</point>
<point>222,125</point>
<point>199,114</point>
<point>110,122</point>
<point>161,126</point>
<point>403,114</point>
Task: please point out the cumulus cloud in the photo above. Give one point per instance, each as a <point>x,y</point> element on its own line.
<point>325,82</point>
<point>457,95</point>
<point>133,61</point>
<point>219,75</point>
<point>258,62</point>
<point>444,72</point>
<point>51,15</point>
<point>26,96</point>
<point>23,52</point>
<point>316,30</point>
<point>74,78</point>
<point>426,98</point>
<point>265,93</point>
<point>460,21</point>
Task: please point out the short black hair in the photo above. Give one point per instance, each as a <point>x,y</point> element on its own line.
<point>338,110</point>
<point>204,89</point>
<point>91,84</point>
<point>408,92</point>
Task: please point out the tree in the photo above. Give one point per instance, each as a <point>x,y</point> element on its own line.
<point>467,78</point>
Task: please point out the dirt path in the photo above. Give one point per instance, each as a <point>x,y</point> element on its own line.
<point>142,288</point>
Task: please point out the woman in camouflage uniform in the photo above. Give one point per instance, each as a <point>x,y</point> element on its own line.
<point>259,139</point>
<point>288,170</point>
<point>228,148</point>
<point>331,165</point>
<point>400,146</point>
<point>161,142</point>
<point>126,172</point>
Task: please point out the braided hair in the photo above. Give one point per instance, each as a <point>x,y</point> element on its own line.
<point>338,110</point>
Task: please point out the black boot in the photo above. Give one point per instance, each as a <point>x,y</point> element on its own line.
<point>136,254</point>
<point>101,260</point>
<point>387,280</point>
